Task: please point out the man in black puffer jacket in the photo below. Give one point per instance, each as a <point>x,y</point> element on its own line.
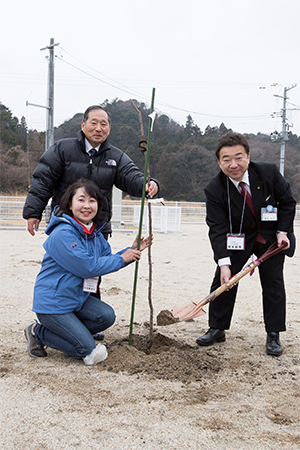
<point>87,156</point>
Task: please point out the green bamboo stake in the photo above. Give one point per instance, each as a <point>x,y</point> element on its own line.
<point>141,219</point>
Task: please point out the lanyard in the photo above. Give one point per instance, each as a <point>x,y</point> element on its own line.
<point>229,208</point>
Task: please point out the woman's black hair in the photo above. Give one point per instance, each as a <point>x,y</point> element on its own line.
<point>90,188</point>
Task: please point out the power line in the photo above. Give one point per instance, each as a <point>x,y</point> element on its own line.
<point>128,91</point>
<point>95,77</point>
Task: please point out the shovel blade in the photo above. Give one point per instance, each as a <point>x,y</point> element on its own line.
<point>184,311</point>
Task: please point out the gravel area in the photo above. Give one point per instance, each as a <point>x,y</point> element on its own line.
<point>175,395</point>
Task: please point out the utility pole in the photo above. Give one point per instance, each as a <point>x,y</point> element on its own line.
<point>50,96</point>
<point>283,136</point>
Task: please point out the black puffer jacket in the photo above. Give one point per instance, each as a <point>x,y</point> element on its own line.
<point>66,161</point>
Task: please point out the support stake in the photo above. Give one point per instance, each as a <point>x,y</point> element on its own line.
<point>141,218</point>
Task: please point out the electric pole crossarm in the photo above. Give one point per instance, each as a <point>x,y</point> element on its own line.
<point>52,45</point>
<point>284,133</point>
<point>38,106</point>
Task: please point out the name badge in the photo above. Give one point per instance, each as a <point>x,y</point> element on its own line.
<point>90,284</point>
<point>235,241</point>
<point>269,213</point>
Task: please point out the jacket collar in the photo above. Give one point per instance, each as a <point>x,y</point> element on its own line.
<point>81,139</point>
<point>58,217</point>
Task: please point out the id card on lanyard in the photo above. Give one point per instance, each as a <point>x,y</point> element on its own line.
<point>90,284</point>
<point>235,241</point>
<point>268,214</point>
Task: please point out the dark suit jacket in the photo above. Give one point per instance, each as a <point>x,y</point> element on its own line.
<point>266,182</point>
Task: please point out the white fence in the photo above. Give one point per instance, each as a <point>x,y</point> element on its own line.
<point>166,218</point>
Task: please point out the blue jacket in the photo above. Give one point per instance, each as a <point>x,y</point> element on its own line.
<point>71,256</point>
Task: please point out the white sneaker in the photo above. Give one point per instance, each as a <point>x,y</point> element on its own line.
<point>97,355</point>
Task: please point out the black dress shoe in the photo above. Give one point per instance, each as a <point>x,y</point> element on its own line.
<point>273,344</point>
<point>211,336</point>
<point>98,336</point>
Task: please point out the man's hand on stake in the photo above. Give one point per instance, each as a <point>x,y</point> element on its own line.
<point>151,189</point>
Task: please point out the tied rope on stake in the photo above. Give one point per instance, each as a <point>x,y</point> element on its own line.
<point>151,121</point>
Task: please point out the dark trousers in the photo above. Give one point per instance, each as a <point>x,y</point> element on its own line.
<point>72,332</point>
<point>273,291</point>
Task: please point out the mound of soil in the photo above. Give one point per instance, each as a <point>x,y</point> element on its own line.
<point>165,317</point>
<point>167,359</point>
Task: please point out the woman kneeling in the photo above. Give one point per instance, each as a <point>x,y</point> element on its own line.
<point>76,256</point>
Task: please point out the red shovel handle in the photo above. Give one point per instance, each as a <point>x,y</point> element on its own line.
<point>272,250</point>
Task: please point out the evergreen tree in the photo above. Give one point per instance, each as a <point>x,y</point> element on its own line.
<point>181,157</point>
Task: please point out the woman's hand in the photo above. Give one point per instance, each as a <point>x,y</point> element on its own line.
<point>131,255</point>
<point>145,242</point>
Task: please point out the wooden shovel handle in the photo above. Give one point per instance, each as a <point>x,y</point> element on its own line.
<point>272,250</point>
<point>233,280</point>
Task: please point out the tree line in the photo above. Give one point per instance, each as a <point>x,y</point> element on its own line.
<point>181,157</point>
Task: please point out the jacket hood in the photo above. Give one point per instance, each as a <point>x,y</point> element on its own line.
<point>58,217</point>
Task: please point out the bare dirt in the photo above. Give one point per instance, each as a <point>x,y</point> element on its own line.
<point>176,395</point>
<point>167,359</point>
<point>165,317</point>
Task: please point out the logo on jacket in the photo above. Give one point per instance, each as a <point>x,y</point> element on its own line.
<point>111,162</point>
<point>73,245</point>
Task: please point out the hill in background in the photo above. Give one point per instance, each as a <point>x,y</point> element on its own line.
<point>181,157</point>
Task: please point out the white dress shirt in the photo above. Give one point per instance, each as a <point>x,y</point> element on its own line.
<point>89,147</point>
<point>227,261</point>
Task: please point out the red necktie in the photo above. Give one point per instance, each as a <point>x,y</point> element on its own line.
<point>249,202</point>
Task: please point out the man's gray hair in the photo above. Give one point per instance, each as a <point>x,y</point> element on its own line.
<point>92,108</point>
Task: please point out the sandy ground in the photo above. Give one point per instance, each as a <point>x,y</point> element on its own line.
<point>179,396</point>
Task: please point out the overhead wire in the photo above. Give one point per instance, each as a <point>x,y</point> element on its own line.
<point>131,92</point>
<point>170,85</point>
<point>92,68</point>
<point>95,77</point>
<point>34,84</point>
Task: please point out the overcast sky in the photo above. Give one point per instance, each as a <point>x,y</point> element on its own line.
<point>219,61</point>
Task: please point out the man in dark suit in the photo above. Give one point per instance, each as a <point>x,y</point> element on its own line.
<point>236,233</point>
